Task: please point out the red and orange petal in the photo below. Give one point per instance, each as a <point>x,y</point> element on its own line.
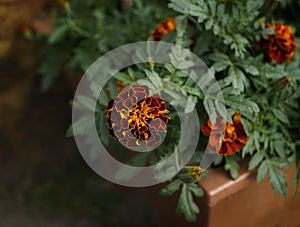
<point>133,116</point>
<point>232,141</point>
<point>163,29</point>
<point>281,46</point>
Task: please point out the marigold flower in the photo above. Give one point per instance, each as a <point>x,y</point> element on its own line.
<point>229,143</point>
<point>281,46</point>
<point>163,29</point>
<point>134,115</point>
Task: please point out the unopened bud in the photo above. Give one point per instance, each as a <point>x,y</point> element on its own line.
<point>268,7</point>
<point>65,4</point>
<point>282,83</point>
<point>190,174</point>
<point>126,4</point>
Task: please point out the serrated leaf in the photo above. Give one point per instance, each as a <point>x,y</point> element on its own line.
<point>221,108</point>
<point>190,104</point>
<point>171,188</point>
<point>210,109</point>
<point>277,179</point>
<point>87,102</point>
<point>251,70</point>
<point>262,171</point>
<point>280,162</point>
<point>233,166</point>
<point>237,78</point>
<point>255,160</point>
<point>186,205</point>
<point>81,126</point>
<point>196,190</point>
<point>58,34</point>
<point>280,115</point>
<point>154,78</point>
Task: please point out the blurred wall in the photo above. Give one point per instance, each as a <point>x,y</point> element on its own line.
<point>13,13</point>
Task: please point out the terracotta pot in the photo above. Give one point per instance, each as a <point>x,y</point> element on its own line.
<point>233,203</point>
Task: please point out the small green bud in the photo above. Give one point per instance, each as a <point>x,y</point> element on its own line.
<point>190,174</point>
<point>268,7</point>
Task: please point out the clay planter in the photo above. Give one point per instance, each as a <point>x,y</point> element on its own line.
<point>233,203</point>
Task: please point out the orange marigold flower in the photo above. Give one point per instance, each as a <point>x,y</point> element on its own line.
<point>163,29</point>
<point>229,143</point>
<point>281,46</point>
<point>134,115</point>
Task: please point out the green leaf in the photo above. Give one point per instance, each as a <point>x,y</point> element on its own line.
<point>171,188</point>
<point>210,109</point>
<point>237,78</point>
<point>190,104</point>
<point>242,105</point>
<point>154,78</point>
<point>69,132</point>
<point>58,34</point>
<point>280,115</point>
<point>196,189</point>
<point>86,102</point>
<point>186,205</point>
<point>262,171</point>
<point>251,70</point>
<point>255,160</point>
<point>232,164</point>
<point>81,126</point>
<point>277,179</point>
<point>221,60</point>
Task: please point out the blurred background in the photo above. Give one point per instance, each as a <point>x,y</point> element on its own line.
<point>44,181</point>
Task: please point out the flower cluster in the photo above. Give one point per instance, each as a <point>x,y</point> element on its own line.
<point>281,46</point>
<point>134,115</point>
<point>232,141</point>
<point>163,29</point>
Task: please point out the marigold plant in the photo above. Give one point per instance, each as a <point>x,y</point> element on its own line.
<point>252,55</point>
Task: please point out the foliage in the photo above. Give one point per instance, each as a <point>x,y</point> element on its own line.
<point>85,30</point>
<point>226,35</point>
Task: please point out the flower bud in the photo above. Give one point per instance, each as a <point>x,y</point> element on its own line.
<point>65,4</point>
<point>190,174</point>
<point>268,7</point>
<point>282,83</point>
<point>126,4</point>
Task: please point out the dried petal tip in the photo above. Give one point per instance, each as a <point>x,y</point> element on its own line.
<point>190,174</point>
<point>282,83</point>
